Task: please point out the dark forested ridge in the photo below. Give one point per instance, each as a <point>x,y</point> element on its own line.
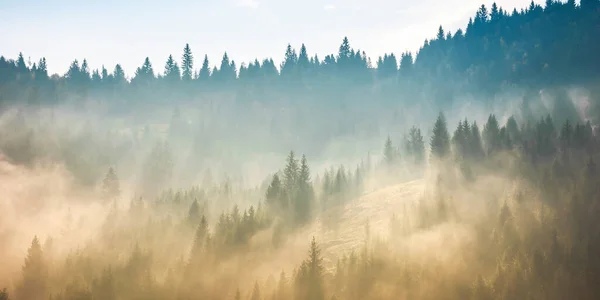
<point>535,46</point>
<point>103,195</point>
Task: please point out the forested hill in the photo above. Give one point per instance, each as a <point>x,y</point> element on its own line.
<point>537,45</point>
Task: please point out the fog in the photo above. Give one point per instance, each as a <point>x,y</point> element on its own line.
<point>465,172</point>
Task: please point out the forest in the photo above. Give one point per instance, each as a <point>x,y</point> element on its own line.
<point>466,170</point>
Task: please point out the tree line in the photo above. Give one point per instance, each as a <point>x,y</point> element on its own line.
<point>535,46</point>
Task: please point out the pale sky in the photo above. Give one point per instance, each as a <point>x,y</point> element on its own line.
<point>116,31</point>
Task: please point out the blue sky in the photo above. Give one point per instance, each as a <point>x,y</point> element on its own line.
<point>110,31</point>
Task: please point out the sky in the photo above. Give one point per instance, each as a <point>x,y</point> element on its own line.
<point>117,31</point>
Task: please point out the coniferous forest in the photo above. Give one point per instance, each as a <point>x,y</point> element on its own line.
<point>466,170</point>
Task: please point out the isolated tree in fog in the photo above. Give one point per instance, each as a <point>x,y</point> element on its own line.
<point>440,140</point>
<point>34,283</point>
<point>110,184</point>
<point>187,63</point>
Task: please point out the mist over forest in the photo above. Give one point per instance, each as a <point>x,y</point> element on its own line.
<point>466,170</point>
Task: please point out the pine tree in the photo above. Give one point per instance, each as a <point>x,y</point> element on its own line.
<point>187,63</point>
<point>34,283</point>
<point>440,140</point>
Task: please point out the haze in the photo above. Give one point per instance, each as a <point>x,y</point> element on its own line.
<point>336,151</point>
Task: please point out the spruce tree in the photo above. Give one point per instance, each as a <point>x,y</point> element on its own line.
<point>304,198</point>
<point>290,61</point>
<point>310,276</point>
<point>274,194</point>
<point>440,140</point>
<point>491,135</point>
<point>119,75</point>
<point>145,73</point>
<point>34,283</point>
<point>194,213</point>
<point>290,174</point>
<point>172,72</point>
<point>204,73</point>
<point>187,63</point>
<point>303,62</point>
<point>416,145</point>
